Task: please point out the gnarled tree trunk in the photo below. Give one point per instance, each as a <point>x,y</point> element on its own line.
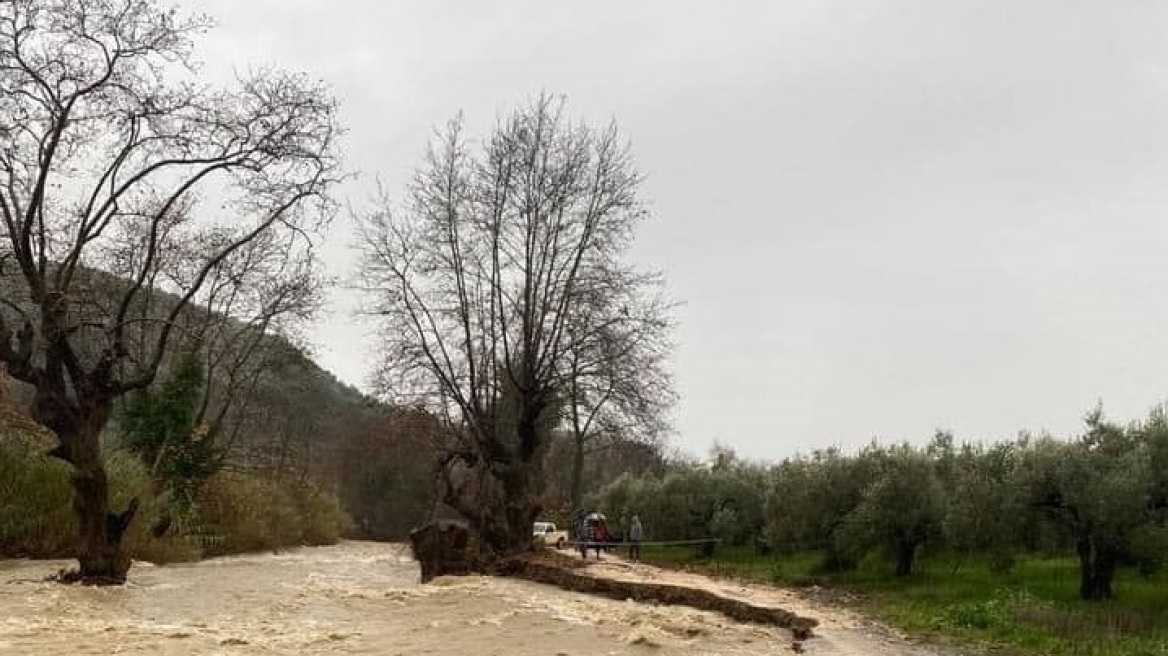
<point>101,555</point>
<point>906,549</point>
<point>499,492</point>
<point>1096,569</point>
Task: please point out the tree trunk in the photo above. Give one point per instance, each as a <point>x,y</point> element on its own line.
<point>906,550</point>
<point>521,510</point>
<point>521,480</point>
<point>1096,570</point>
<point>577,491</point>
<point>1086,571</point>
<point>515,505</point>
<point>503,501</point>
<point>1104,574</point>
<point>101,556</point>
<point>502,510</point>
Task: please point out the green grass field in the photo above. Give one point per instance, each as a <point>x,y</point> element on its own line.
<point>1034,609</point>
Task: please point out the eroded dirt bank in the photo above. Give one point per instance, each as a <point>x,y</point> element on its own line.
<point>363,598</point>
<point>578,575</point>
<point>836,631</point>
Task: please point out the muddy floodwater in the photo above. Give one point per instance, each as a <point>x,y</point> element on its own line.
<point>363,598</point>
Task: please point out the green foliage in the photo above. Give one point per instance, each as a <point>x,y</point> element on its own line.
<point>36,518</point>
<point>808,500</point>
<point>159,426</point>
<point>322,519</point>
<point>1101,491</point>
<point>724,524</point>
<point>690,502</point>
<point>985,511</point>
<point>388,470</point>
<point>899,510</point>
<point>130,480</point>
<point>1148,548</point>
<point>997,610</point>
<point>1034,609</point>
<point>387,495</point>
<point>1102,497</point>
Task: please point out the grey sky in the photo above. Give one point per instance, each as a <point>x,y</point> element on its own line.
<point>883,217</point>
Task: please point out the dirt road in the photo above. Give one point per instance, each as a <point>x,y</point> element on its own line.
<point>840,630</point>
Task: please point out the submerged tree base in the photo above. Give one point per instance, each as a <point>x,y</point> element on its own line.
<point>75,577</point>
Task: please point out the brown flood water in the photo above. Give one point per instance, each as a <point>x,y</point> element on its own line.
<point>363,598</point>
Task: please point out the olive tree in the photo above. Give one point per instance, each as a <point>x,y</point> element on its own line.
<point>900,509</point>
<point>692,501</point>
<point>108,145</point>
<point>810,498</point>
<point>984,510</point>
<point>1101,489</point>
<point>480,280</point>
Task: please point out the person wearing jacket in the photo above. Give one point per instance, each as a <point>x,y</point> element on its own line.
<point>636,534</point>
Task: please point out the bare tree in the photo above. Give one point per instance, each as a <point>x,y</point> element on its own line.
<point>107,147</point>
<point>253,307</point>
<point>619,388</point>
<point>478,283</point>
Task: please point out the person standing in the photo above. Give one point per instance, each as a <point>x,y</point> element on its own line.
<point>584,535</point>
<point>602,536</point>
<point>593,535</point>
<point>636,534</point>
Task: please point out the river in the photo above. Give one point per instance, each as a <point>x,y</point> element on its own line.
<point>363,598</point>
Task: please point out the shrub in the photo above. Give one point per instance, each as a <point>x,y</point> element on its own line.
<point>248,511</point>
<point>256,514</point>
<point>36,516</point>
<point>322,520</point>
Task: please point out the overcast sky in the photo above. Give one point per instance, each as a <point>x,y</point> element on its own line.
<point>882,217</point>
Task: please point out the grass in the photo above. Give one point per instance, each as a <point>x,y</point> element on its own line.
<point>1033,609</point>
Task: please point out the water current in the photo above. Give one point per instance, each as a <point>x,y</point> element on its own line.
<point>361,598</point>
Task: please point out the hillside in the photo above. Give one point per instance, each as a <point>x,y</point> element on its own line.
<point>269,405</point>
<point>17,426</point>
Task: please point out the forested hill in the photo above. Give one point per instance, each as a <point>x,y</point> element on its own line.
<point>266,403</point>
<point>264,407</point>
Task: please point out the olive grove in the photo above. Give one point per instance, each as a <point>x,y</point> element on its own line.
<point>1101,497</point>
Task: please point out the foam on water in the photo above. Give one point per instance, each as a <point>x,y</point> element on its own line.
<point>350,598</point>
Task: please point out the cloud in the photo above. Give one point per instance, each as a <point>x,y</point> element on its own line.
<point>882,217</point>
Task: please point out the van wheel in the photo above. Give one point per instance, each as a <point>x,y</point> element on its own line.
<point>560,543</point>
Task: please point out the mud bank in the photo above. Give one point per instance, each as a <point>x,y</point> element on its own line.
<point>572,574</point>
